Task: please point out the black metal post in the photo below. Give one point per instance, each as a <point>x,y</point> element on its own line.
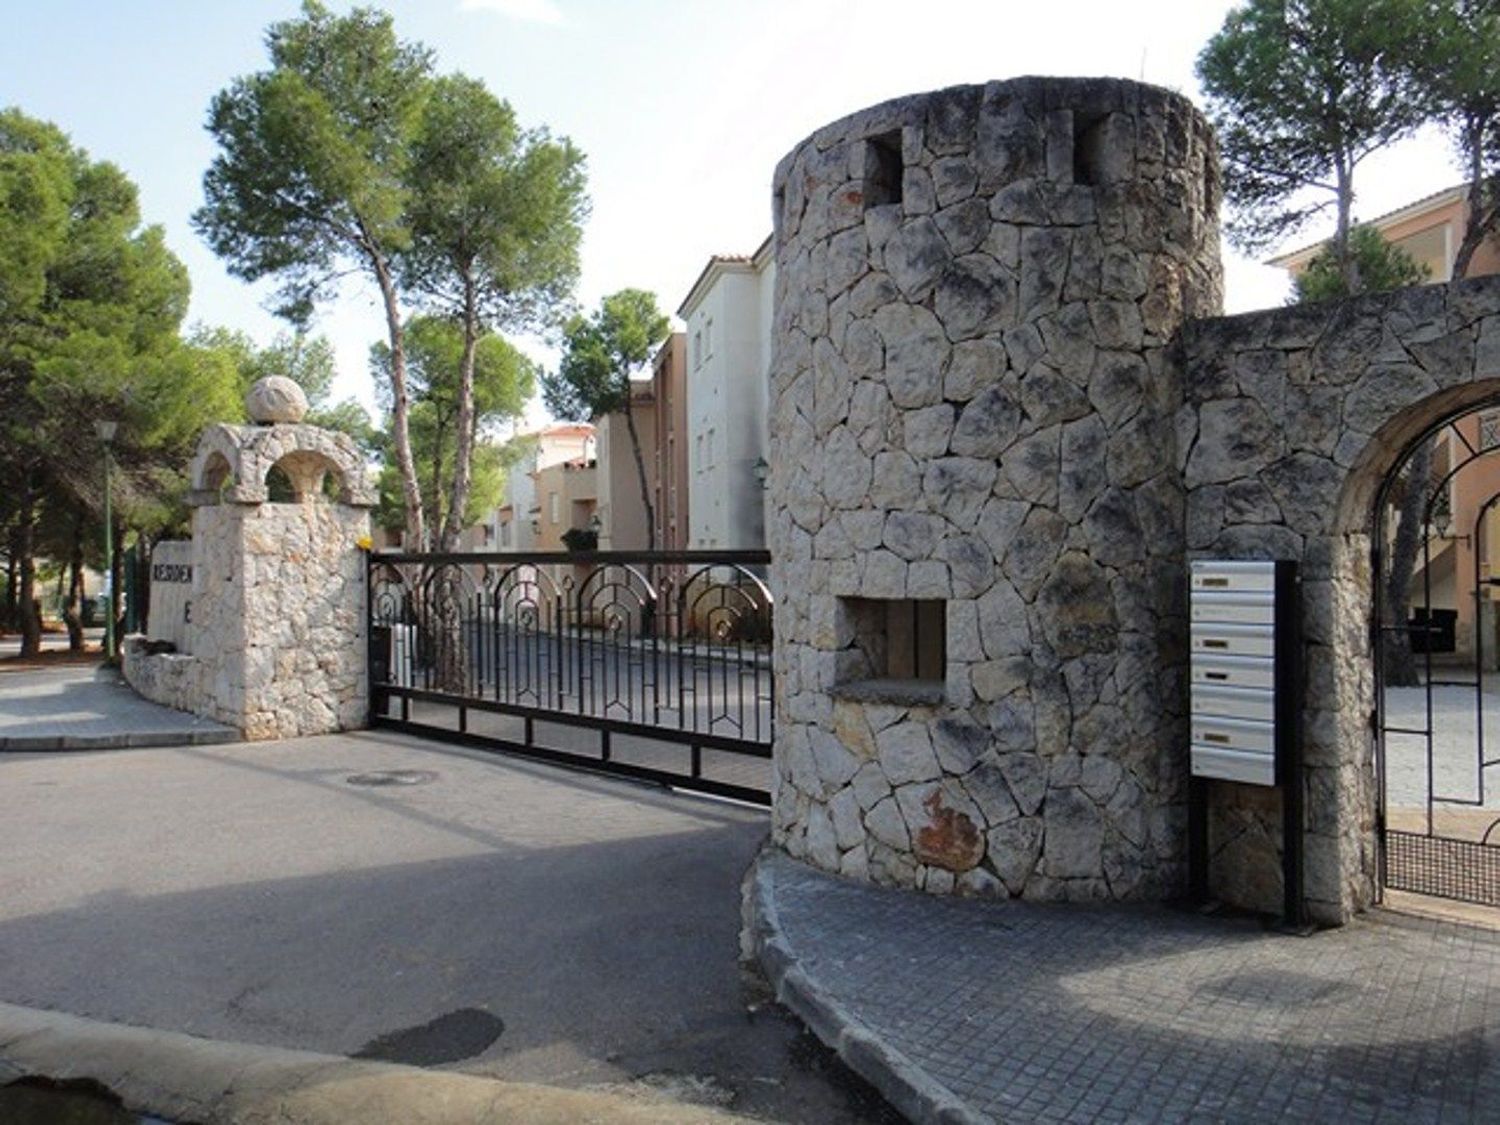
<point>1292,776</point>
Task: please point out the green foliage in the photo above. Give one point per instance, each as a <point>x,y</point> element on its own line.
<point>600,354</point>
<point>495,211</point>
<point>90,306</point>
<point>1457,67</point>
<point>504,380</point>
<point>1300,91</point>
<point>314,154</point>
<point>581,539</point>
<point>1382,266</point>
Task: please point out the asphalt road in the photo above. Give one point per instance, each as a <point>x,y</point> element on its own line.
<point>510,919</point>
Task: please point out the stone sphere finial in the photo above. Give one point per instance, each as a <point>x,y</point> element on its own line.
<point>276,399</point>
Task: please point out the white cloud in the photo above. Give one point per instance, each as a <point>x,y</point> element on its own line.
<point>531,11</point>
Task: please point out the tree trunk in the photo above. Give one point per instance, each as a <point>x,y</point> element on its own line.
<point>463,456</point>
<point>1348,264</point>
<point>73,606</point>
<point>411,491</point>
<point>640,470</point>
<point>12,576</point>
<point>1400,665</point>
<point>30,616</point>
<point>1480,218</point>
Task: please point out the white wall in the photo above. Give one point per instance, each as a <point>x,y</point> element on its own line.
<point>728,358</point>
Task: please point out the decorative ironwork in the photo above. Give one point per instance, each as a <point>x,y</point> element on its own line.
<point>1439,807</point>
<point>655,665</point>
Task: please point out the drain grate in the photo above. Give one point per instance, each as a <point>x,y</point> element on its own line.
<point>392,777</point>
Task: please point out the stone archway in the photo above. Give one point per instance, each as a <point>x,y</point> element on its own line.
<point>1292,419</point>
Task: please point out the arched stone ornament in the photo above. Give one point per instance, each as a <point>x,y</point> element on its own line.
<point>276,642</point>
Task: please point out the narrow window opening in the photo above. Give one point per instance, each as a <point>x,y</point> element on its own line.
<point>883,170</point>
<point>1089,138</point>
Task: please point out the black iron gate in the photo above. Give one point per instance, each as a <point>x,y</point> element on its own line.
<point>652,665</point>
<point>1437,683</point>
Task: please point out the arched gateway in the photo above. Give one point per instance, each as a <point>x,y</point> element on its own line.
<point>1005,421</point>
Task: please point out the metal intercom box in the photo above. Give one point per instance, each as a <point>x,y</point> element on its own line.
<point>1243,653</point>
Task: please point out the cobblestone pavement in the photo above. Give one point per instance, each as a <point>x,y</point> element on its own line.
<point>89,707</point>
<point>1031,1013</point>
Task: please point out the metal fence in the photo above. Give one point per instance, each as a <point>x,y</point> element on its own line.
<point>653,665</point>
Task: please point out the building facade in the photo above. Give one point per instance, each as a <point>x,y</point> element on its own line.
<point>523,520</point>
<point>728,353</point>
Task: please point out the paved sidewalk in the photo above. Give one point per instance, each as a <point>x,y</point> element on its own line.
<point>1016,1012</point>
<point>91,707</point>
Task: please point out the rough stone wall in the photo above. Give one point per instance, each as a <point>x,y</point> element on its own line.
<point>971,403</point>
<point>278,630</point>
<point>283,594</point>
<point>1292,419</point>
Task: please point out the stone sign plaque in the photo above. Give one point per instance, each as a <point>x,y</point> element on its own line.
<point>171,592</point>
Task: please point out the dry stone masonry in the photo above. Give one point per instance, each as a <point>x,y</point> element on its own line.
<point>276,640</point>
<point>977,508</point>
<point>1292,419</point>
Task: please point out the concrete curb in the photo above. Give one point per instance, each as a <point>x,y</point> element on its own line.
<point>185,1079</point>
<point>902,1082</point>
<point>131,740</point>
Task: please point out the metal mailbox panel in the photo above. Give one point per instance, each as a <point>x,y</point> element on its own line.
<point>1233,671</point>
<point>1234,640</point>
<point>1258,704</point>
<point>1234,765</point>
<point>1245,607</point>
<point>1228,576</point>
<point>1234,734</point>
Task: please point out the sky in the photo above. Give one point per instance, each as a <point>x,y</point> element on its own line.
<point>683,108</point>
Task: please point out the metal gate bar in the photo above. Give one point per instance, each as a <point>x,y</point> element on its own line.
<point>669,649</point>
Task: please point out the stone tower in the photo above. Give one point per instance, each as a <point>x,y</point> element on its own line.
<point>977,512</point>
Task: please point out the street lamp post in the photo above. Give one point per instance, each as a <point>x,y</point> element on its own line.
<point>106,432</point>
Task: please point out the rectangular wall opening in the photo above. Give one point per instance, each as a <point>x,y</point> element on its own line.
<point>884,169</point>
<point>899,650</point>
<point>1089,139</point>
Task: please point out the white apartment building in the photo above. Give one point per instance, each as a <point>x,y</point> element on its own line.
<point>728,319</point>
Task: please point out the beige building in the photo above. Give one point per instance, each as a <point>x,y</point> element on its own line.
<point>523,521</point>
<point>1430,230</point>
<point>622,514</point>
<point>1459,555</point>
<point>659,408</point>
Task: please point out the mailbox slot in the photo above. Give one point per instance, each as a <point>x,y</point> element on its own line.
<point>1233,576</point>
<point>1233,671</point>
<point>1247,607</point>
<point>1234,734</point>
<point>1234,765</point>
<point>1234,640</point>
<point>1256,704</point>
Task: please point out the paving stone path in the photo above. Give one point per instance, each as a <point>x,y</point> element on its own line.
<point>89,707</point>
<point>1021,1012</point>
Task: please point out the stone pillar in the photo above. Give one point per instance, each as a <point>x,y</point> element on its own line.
<point>972,440</point>
<point>277,636</point>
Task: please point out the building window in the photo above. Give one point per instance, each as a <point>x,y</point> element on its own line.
<point>698,454</point>
<point>708,338</point>
<point>697,349</point>
<point>1090,137</point>
<point>1489,429</point>
<point>552,506</point>
<point>708,450</point>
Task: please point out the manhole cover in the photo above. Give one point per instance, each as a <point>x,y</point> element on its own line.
<point>392,777</point>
